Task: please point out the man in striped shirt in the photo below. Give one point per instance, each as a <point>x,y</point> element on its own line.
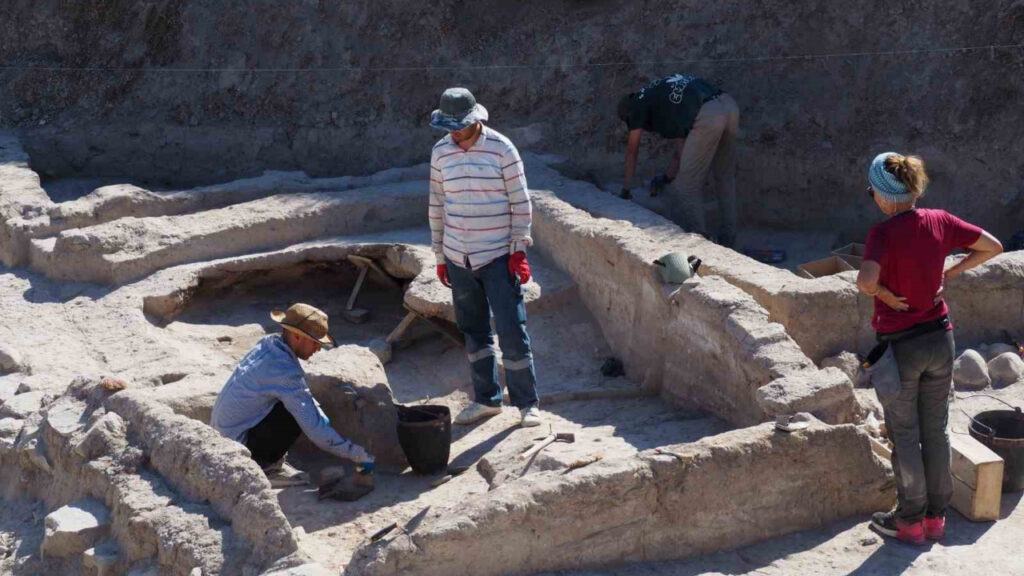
<point>480,228</point>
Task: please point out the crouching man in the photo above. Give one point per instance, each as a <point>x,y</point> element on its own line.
<point>266,403</point>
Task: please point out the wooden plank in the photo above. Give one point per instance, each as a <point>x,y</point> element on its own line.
<point>973,462</point>
<point>881,448</point>
<point>977,479</point>
<point>399,330</point>
<point>974,505</point>
<point>380,274</point>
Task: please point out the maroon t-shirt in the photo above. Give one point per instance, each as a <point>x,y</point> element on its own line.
<point>911,248</point>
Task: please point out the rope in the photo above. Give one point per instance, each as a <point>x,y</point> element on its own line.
<point>471,67</point>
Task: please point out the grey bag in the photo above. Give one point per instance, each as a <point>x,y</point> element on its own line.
<point>883,372</point>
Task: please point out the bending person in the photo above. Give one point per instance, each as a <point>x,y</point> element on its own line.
<point>703,122</point>
<point>266,403</point>
<point>903,269</point>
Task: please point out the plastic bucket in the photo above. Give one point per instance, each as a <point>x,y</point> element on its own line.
<point>1003,432</point>
<point>425,434</point>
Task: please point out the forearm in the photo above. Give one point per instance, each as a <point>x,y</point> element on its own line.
<point>627,178</point>
<point>973,259</point>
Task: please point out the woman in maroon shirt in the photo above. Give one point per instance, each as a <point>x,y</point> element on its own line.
<point>904,269</point>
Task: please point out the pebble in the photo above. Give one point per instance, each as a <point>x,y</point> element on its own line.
<point>869,541</point>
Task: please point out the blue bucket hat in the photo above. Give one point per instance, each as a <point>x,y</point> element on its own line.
<point>886,183</point>
<point>458,110</point>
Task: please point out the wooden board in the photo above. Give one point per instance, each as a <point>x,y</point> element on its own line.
<point>977,479</point>
<point>881,448</point>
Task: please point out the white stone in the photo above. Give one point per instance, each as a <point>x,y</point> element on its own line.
<point>21,405</point>
<point>10,358</point>
<point>845,361</point>
<point>1006,369</point>
<point>970,371</point>
<point>74,528</point>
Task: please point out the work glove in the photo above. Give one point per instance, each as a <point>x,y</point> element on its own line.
<point>658,184</point>
<point>518,266</point>
<point>359,455</point>
<point>442,274</point>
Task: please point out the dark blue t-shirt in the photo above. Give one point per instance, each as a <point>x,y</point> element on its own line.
<point>668,106</point>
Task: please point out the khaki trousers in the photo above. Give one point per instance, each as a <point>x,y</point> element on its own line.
<point>711,144</point>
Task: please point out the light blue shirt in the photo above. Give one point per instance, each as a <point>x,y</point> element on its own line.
<point>268,374</point>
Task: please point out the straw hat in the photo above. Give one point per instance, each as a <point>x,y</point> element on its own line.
<point>305,320</point>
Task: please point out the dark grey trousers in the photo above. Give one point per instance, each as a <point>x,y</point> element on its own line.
<point>916,418</point>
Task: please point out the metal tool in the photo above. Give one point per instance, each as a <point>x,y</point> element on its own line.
<point>567,437</point>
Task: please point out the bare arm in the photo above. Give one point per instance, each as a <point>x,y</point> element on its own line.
<point>984,248</point>
<point>867,282</point>
<point>632,152</point>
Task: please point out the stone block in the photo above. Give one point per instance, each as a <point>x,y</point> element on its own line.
<point>1006,369</point>
<point>10,358</point>
<point>970,372</point>
<point>350,384</point>
<point>75,528</point>
<point>828,394</point>
<point>845,361</point>
<point>21,405</point>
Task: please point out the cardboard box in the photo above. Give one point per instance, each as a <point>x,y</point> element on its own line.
<point>977,479</point>
<point>824,267</point>
<point>852,253</point>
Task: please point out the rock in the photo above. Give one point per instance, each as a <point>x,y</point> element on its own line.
<point>381,349</point>
<point>10,358</point>
<point>9,430</point>
<point>1006,369</point>
<point>351,386</point>
<point>970,371</point>
<point>869,541</point>
<point>990,351</point>
<point>845,361</point>
<point>21,405</point>
<point>827,394</point>
<point>107,435</point>
<point>197,571</point>
<point>74,528</point>
<point>102,559</point>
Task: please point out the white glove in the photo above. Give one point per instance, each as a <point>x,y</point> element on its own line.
<point>358,454</point>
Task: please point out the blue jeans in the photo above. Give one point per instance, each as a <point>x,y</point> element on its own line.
<point>477,294</point>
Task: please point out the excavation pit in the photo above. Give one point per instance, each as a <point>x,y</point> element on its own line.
<point>189,278</point>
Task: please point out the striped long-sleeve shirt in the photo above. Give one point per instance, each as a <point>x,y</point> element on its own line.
<point>479,204</point>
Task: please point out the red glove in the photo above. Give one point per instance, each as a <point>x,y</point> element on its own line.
<point>518,266</point>
<point>442,274</point>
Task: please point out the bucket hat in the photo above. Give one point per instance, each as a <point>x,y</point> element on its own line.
<point>305,320</point>
<point>676,268</point>
<point>458,110</point>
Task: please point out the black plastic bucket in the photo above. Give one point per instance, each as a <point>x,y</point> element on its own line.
<point>425,434</point>
<point>1003,432</point>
